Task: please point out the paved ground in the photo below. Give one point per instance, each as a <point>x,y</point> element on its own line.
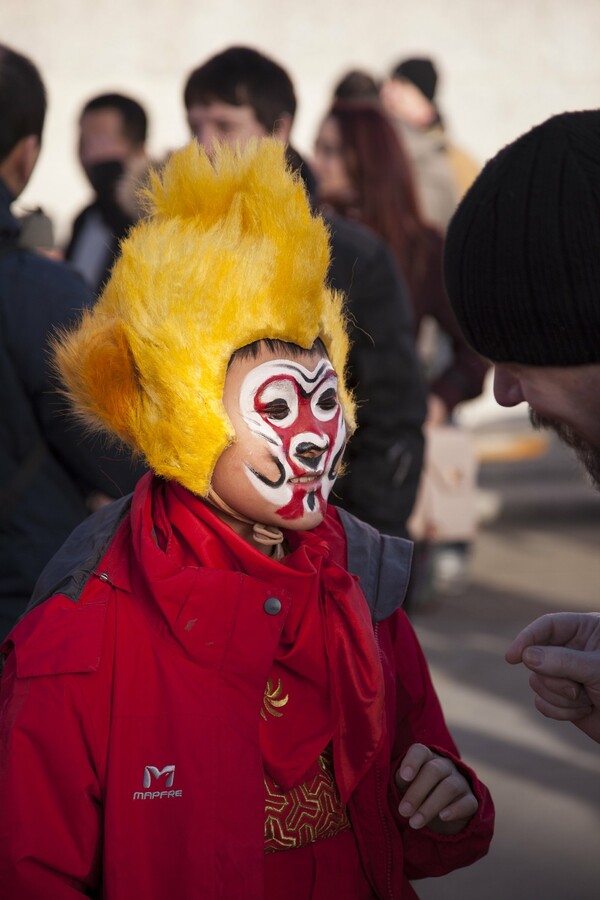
<point>540,554</point>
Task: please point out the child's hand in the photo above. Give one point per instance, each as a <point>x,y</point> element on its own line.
<point>435,793</point>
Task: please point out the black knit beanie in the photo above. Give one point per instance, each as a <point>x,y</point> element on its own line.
<point>522,254</point>
<point>421,72</point>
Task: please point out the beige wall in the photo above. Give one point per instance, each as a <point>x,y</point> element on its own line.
<point>506,64</point>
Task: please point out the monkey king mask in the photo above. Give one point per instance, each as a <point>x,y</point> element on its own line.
<point>230,254</point>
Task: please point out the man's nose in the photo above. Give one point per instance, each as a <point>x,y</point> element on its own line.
<point>310,454</point>
<point>206,134</point>
<point>507,387</point>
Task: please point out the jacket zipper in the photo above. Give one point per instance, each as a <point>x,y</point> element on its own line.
<point>380,794</point>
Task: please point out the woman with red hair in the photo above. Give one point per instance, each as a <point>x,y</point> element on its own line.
<point>365,175</point>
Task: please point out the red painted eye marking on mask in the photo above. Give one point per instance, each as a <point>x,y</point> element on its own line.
<point>296,412</point>
<point>307,423</point>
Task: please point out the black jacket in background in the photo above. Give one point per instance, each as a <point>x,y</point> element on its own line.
<point>47,466</point>
<point>118,224</point>
<point>385,455</point>
<point>384,458</point>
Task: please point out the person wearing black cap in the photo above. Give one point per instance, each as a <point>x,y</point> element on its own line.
<point>421,73</point>
<point>444,171</point>
<point>522,273</point>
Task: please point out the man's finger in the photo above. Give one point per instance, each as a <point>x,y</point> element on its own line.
<point>555,629</point>
<point>575,699</point>
<point>559,712</point>
<point>562,690</point>
<point>561,662</point>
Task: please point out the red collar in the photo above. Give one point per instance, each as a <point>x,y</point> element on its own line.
<point>326,665</point>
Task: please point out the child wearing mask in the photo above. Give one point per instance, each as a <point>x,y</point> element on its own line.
<point>216,693</point>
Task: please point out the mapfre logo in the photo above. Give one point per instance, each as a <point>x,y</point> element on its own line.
<point>153,775</point>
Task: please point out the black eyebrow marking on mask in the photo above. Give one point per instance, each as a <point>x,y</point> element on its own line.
<point>318,374</point>
<point>306,395</point>
<point>265,437</point>
<point>330,392</point>
<point>334,464</point>
<point>267,481</point>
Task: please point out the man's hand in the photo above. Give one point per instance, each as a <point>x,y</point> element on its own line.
<point>435,793</point>
<point>563,652</point>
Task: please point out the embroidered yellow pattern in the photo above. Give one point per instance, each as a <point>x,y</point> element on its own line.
<point>273,701</point>
<point>308,813</point>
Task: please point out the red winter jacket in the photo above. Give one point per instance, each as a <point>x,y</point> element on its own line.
<point>129,756</point>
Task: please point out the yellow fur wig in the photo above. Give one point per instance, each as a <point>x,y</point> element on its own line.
<point>229,254</point>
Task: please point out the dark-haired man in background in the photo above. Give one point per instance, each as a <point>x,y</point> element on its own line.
<point>112,137</point>
<point>239,94</point>
<point>47,467</point>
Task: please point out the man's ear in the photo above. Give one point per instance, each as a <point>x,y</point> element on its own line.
<point>283,127</point>
<point>17,167</point>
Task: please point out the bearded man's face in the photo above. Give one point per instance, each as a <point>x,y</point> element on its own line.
<point>586,453</point>
<point>565,399</point>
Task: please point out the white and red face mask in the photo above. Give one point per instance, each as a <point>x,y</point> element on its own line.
<point>297,414</point>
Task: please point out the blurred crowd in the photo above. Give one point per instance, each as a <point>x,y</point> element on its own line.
<point>387,179</point>
<point>518,262</point>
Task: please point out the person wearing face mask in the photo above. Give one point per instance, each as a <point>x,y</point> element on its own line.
<point>215,693</point>
<point>112,136</point>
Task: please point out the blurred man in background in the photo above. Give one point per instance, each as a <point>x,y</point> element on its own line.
<point>240,94</point>
<point>443,170</point>
<point>47,468</point>
<point>523,275</point>
<point>112,136</point>
<point>357,85</point>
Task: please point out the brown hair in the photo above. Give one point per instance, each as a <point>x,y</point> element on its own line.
<point>385,196</point>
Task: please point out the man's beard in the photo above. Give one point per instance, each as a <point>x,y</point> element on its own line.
<point>587,454</point>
